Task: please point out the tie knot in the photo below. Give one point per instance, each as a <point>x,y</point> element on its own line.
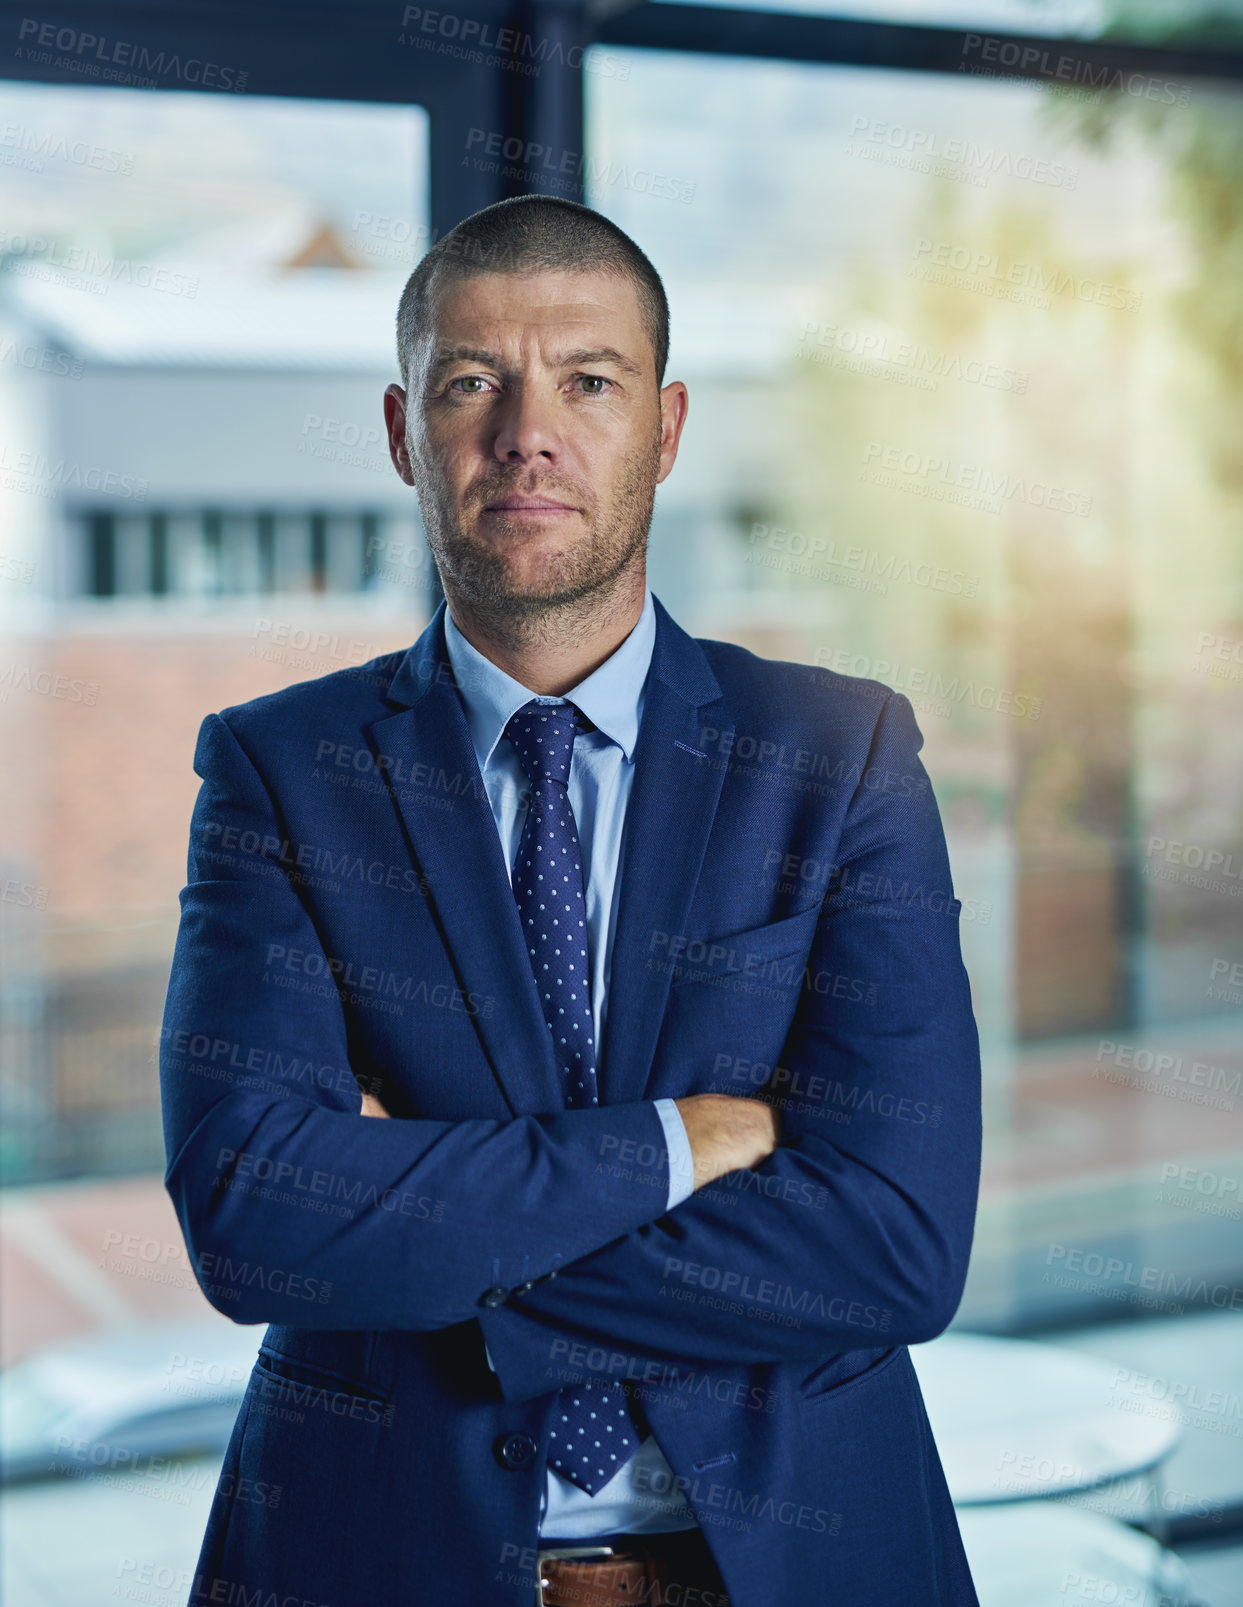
<point>543,737</point>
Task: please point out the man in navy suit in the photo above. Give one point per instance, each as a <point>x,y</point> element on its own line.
<point>568,1050</point>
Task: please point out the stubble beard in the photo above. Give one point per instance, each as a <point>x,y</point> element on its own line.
<point>579,591</point>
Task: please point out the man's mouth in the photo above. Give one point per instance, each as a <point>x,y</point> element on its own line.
<point>537,507</point>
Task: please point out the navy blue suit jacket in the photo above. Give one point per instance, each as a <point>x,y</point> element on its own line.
<point>786,923</point>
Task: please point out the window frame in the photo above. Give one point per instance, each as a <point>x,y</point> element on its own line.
<point>353,50</point>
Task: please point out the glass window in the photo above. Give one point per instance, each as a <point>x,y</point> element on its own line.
<point>954,362</point>
<point>198,296</point>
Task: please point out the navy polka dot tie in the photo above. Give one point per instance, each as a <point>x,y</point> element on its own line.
<point>593,1432</point>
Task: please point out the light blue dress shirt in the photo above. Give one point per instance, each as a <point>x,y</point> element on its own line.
<point>640,1499</point>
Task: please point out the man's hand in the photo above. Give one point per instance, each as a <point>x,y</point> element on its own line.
<point>372,1106</point>
<point>727,1133</point>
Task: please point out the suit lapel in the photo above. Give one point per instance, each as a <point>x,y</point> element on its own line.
<point>426,751</point>
<point>672,804</point>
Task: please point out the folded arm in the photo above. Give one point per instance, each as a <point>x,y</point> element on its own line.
<point>295,1209</point>
<point>856,1231</point>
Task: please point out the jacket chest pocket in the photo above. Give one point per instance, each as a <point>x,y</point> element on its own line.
<point>732,999</point>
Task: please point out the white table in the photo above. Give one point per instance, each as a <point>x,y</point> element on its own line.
<point>1042,1554</point>
<point>1016,1420</point>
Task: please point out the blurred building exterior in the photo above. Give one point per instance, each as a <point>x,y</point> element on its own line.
<point>904,461</point>
<point>963,343</point>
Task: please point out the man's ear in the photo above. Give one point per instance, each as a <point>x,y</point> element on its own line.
<point>674,402</point>
<point>395,424</point>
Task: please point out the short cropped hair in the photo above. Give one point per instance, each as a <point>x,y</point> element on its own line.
<point>529,234</point>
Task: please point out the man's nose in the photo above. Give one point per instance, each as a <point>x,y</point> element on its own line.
<point>527,427</point>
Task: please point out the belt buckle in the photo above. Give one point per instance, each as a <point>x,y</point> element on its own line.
<point>563,1554</point>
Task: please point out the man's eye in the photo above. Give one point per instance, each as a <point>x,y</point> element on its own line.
<point>468,382</point>
<point>591,381</point>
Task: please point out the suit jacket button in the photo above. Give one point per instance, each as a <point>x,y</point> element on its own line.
<point>495,1297</point>
<point>516,1451</point>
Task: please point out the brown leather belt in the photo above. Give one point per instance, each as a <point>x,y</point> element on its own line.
<point>657,1570</point>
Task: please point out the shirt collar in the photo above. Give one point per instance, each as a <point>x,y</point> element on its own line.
<point>611,696</point>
